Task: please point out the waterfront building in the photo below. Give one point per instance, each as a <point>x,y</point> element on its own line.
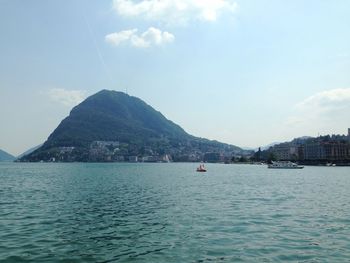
<point>328,151</point>
<point>337,151</point>
<point>285,151</point>
<point>323,149</point>
<point>314,151</point>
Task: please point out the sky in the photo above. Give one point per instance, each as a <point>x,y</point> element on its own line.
<point>244,72</point>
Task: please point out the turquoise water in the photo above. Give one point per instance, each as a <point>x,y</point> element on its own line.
<point>169,213</point>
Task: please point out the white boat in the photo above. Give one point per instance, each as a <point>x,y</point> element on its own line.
<point>284,165</point>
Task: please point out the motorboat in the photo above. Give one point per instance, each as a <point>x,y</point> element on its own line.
<point>284,165</point>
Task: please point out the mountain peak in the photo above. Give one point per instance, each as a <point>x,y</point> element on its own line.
<point>113,116</point>
<point>106,92</point>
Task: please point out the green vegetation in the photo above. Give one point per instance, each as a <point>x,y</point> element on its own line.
<point>117,117</point>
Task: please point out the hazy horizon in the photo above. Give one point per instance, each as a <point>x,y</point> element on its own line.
<point>247,73</point>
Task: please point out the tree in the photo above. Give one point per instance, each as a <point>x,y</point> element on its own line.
<point>242,159</point>
<point>271,157</point>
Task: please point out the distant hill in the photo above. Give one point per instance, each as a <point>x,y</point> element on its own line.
<point>5,157</point>
<point>265,147</point>
<point>29,151</point>
<point>110,125</point>
<point>295,140</point>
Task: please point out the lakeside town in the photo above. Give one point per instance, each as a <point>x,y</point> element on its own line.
<point>322,150</point>
<point>328,149</point>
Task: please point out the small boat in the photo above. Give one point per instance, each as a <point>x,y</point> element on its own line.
<point>201,168</point>
<point>285,165</point>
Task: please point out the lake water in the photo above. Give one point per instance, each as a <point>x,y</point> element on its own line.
<point>169,213</point>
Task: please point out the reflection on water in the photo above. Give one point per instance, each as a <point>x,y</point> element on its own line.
<point>170,213</point>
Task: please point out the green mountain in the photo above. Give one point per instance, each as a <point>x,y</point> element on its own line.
<point>112,125</point>
<point>5,157</point>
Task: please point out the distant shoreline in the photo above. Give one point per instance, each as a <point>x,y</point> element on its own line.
<point>329,164</point>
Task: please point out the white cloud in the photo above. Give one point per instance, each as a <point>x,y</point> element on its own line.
<point>151,37</point>
<point>117,38</point>
<point>67,97</point>
<point>324,111</point>
<point>326,101</point>
<point>174,11</point>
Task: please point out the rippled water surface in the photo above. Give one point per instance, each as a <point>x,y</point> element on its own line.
<point>169,213</point>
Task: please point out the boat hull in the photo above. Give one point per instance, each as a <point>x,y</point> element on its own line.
<point>284,165</point>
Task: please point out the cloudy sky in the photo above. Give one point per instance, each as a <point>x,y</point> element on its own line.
<point>245,72</point>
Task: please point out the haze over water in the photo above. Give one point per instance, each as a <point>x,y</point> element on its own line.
<point>169,213</point>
